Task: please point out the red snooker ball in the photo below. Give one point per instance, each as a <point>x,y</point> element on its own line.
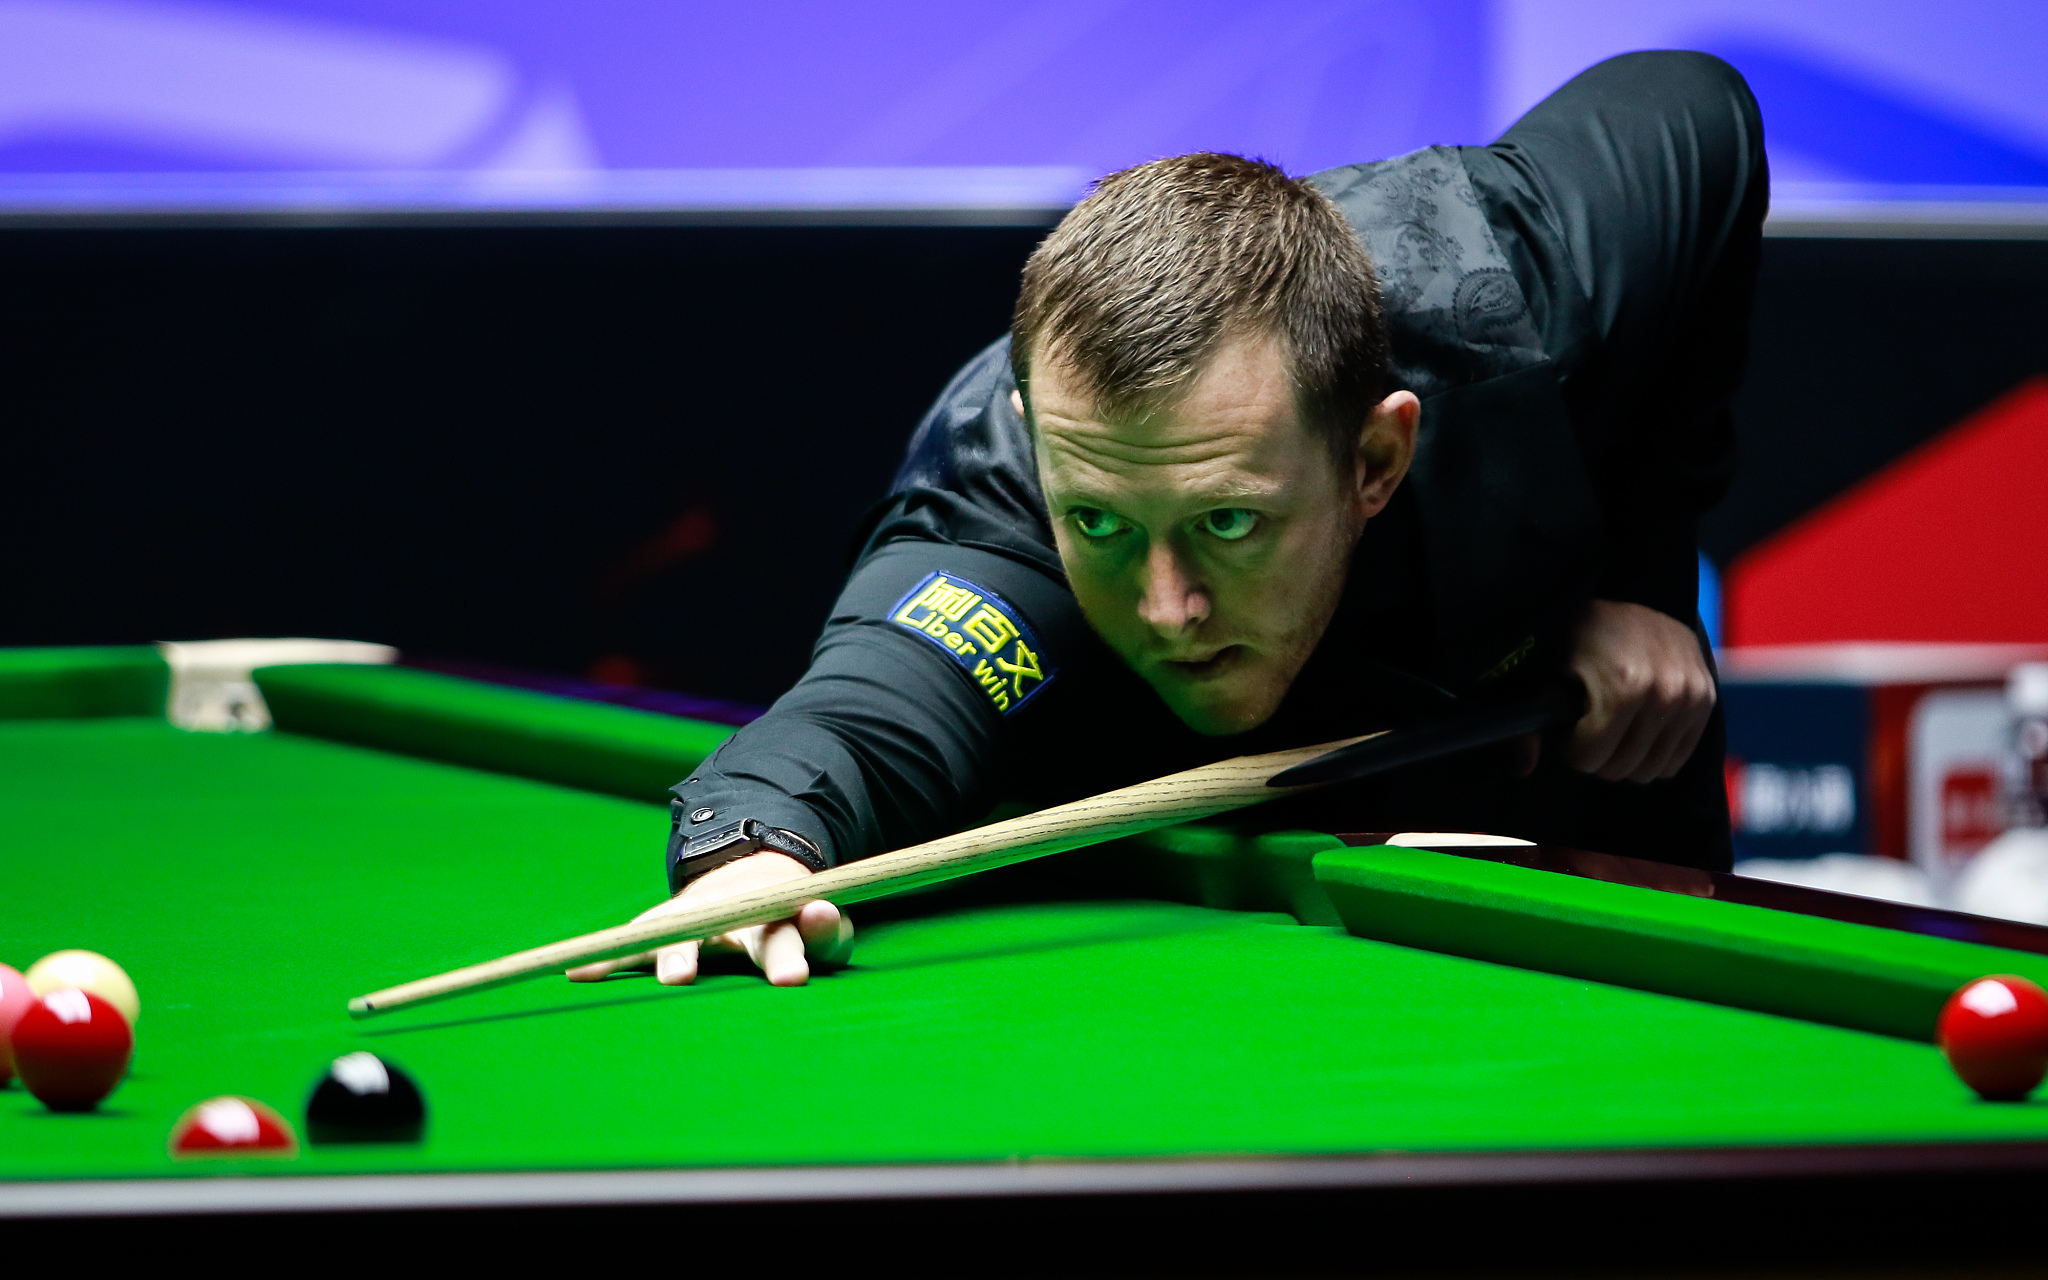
<point>231,1126</point>
<point>1995,1033</point>
<point>71,1049</point>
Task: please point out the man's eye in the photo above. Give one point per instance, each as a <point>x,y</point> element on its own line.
<point>1230,523</point>
<point>1093,522</point>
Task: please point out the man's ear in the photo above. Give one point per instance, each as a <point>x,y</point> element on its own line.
<point>1017,401</point>
<point>1386,446</point>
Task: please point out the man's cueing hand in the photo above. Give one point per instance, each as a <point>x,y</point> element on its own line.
<point>785,950</point>
<point>1649,693</point>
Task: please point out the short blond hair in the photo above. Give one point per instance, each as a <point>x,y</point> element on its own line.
<point>1140,283</point>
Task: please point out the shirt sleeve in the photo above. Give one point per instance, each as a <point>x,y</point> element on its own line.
<point>932,652</point>
<point>1632,201</point>
<point>956,615</point>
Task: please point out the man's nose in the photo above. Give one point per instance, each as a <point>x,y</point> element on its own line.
<point>1171,602</point>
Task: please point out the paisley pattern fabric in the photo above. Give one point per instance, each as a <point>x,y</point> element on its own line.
<point>1455,313</point>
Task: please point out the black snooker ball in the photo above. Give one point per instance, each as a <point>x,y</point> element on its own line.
<point>363,1098</point>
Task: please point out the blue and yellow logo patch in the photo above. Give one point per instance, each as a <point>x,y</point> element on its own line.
<point>981,632</point>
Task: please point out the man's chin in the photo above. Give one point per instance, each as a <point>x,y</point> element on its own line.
<point>1218,709</point>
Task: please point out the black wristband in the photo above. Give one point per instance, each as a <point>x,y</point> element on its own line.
<point>783,840</point>
<point>692,856</point>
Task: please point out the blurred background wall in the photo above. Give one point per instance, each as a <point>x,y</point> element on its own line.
<point>579,336</point>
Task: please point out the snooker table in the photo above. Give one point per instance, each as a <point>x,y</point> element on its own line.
<point>1034,1043</point>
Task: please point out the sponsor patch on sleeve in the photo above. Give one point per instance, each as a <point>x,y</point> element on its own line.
<point>981,631</point>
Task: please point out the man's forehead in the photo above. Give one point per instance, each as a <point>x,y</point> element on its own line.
<point>1247,375</point>
<point>1241,404</point>
<point>1221,463</point>
<point>1209,471</point>
<point>1090,445</point>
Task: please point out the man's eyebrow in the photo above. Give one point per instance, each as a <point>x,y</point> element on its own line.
<point>1227,488</point>
<point>1223,489</point>
<point>1215,492</point>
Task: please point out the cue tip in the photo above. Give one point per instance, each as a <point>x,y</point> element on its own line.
<point>360,1007</point>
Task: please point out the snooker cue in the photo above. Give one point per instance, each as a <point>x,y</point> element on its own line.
<point>1160,802</point>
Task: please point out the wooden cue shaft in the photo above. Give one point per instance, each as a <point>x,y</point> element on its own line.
<point>1179,797</point>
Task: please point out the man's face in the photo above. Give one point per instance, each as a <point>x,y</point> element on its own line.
<point>1208,541</point>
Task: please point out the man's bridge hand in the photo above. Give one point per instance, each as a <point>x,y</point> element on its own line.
<point>819,934</point>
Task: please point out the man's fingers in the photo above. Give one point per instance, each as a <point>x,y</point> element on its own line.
<point>1657,758</point>
<point>1676,745</point>
<point>827,933</point>
<point>673,965</point>
<point>602,969</point>
<point>1596,735</point>
<point>779,949</point>
<point>676,966</point>
<point>1640,736</point>
<point>1634,747</point>
<point>1661,737</point>
<point>820,934</point>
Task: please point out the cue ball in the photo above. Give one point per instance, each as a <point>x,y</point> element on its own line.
<point>363,1098</point>
<point>1994,1032</point>
<point>15,998</point>
<point>88,971</point>
<point>72,1048</point>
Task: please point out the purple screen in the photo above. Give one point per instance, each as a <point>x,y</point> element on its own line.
<point>112,102</point>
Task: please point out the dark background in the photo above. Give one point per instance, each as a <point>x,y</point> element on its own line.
<point>639,452</point>
<point>1862,349</point>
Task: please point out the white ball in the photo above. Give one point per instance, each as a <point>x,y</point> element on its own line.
<point>88,971</point>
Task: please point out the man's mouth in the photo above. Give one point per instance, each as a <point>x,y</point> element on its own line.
<point>1205,668</point>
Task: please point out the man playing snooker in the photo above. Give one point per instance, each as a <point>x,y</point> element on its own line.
<point>1266,462</point>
